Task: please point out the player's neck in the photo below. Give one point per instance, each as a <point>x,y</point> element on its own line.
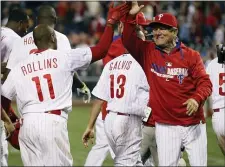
<point>170,47</point>
<point>44,47</point>
<point>49,24</point>
<point>12,26</point>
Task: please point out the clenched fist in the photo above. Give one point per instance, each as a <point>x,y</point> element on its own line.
<point>88,135</point>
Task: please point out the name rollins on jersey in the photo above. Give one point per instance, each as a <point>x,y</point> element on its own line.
<point>120,65</point>
<point>39,65</point>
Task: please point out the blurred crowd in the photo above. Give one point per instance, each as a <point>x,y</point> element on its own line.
<point>201,24</point>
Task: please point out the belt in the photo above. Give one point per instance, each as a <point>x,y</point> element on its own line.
<point>120,113</point>
<point>56,112</point>
<point>148,124</point>
<point>216,110</point>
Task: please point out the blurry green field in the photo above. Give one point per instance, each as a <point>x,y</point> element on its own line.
<point>76,126</point>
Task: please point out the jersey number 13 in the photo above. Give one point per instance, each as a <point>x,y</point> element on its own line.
<point>120,81</point>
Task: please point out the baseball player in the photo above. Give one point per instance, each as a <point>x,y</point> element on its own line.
<point>16,27</point>
<point>124,87</point>
<point>25,46</point>
<point>216,72</point>
<point>179,86</point>
<point>43,85</point>
<point>101,149</point>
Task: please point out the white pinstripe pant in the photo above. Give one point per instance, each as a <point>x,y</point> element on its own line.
<point>218,122</point>
<point>44,140</point>
<point>124,137</point>
<point>3,145</point>
<point>218,127</point>
<point>170,139</point>
<point>100,150</point>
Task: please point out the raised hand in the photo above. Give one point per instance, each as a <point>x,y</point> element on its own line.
<point>135,8</point>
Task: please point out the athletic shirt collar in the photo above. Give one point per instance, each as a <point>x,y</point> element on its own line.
<point>177,47</point>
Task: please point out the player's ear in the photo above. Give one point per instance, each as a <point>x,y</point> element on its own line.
<point>53,37</point>
<point>20,24</point>
<point>175,32</point>
<point>55,20</point>
<point>35,42</point>
<point>37,20</point>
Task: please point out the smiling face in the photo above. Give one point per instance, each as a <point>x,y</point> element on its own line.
<point>163,35</point>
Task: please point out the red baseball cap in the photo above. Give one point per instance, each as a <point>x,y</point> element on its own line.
<point>166,19</point>
<point>141,20</point>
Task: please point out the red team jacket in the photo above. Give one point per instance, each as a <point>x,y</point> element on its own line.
<point>173,78</point>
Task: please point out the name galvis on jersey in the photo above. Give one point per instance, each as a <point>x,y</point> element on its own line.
<point>120,65</point>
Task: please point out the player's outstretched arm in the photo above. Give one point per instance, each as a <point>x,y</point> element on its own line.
<point>137,46</point>
<point>89,132</point>
<point>114,15</point>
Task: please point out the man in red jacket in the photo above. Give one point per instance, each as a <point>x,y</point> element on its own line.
<point>179,87</point>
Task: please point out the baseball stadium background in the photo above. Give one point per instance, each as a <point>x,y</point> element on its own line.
<point>201,26</point>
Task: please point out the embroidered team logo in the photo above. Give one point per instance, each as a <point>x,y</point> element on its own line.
<point>168,64</point>
<point>160,16</point>
<point>180,78</point>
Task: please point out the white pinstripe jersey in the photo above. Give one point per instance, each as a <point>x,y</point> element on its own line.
<point>8,37</point>
<point>124,86</point>
<point>216,73</point>
<point>23,47</point>
<point>43,81</point>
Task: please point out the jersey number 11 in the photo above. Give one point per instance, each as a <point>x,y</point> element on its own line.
<point>38,86</point>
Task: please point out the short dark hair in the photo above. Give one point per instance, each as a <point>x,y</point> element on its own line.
<point>17,15</point>
<point>46,11</point>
